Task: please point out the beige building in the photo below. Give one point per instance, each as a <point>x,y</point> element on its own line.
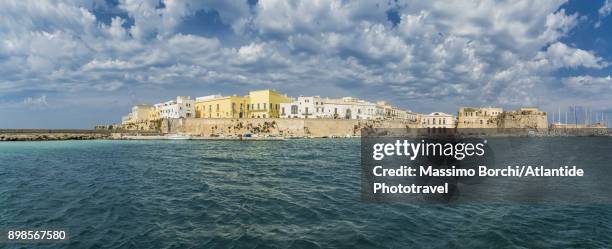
<point>391,112</point>
<point>265,103</point>
<point>139,113</point>
<point>438,120</point>
<point>154,114</point>
<point>478,117</point>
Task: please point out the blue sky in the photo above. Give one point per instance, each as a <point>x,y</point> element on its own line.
<point>77,63</point>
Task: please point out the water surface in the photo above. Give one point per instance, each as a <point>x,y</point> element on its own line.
<point>264,194</point>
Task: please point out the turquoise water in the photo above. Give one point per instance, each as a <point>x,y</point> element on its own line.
<point>232,194</point>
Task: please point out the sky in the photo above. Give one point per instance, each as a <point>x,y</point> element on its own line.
<point>78,63</point>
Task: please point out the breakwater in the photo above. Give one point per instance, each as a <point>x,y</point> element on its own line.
<point>64,134</point>
<point>276,127</point>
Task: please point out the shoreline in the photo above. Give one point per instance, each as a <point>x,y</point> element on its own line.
<point>101,136</point>
<point>7,135</point>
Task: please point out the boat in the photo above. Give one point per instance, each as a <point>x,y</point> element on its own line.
<point>179,136</point>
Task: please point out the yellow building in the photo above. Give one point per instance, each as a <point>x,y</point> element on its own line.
<point>265,103</point>
<point>154,114</point>
<point>217,106</point>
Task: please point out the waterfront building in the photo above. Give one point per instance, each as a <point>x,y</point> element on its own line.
<point>217,106</point>
<point>391,112</point>
<point>344,108</point>
<point>407,115</point>
<point>437,120</point>
<point>182,107</point>
<point>154,114</point>
<point>478,117</point>
<point>524,118</point>
<point>265,103</point>
<point>303,107</point>
<point>139,113</point>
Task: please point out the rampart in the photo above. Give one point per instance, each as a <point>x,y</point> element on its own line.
<point>276,127</point>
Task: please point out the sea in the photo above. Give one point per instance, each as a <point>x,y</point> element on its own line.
<point>302,193</point>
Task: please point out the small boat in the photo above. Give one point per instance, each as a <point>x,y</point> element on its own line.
<point>179,136</point>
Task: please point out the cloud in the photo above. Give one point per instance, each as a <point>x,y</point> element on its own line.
<point>36,101</point>
<point>562,56</point>
<point>605,9</point>
<point>590,84</point>
<point>456,52</point>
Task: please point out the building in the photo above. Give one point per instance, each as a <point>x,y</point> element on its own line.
<point>437,120</point>
<point>524,118</point>
<point>317,107</point>
<point>303,107</point>
<point>182,107</point>
<point>478,117</point>
<point>265,103</point>
<point>394,113</point>
<point>139,113</point>
<point>217,106</point>
<point>407,115</point>
<point>154,114</point>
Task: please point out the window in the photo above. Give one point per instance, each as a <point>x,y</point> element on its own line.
<point>294,109</point>
<point>257,106</point>
<point>283,111</point>
<point>306,110</point>
<point>271,106</point>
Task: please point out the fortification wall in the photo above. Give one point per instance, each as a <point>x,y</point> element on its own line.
<point>275,126</point>
<point>514,120</point>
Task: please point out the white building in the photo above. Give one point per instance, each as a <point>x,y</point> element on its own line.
<point>317,107</point>
<point>438,120</point>
<point>182,107</point>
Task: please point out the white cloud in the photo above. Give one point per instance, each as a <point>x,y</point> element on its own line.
<point>487,52</point>
<point>36,101</point>
<point>562,56</point>
<point>591,84</point>
<point>605,9</point>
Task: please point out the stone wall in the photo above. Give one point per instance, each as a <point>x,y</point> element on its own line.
<point>276,127</point>
<point>518,120</point>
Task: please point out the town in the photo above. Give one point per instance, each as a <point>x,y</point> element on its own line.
<point>272,113</point>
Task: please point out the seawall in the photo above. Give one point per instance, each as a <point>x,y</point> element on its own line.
<point>276,127</point>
